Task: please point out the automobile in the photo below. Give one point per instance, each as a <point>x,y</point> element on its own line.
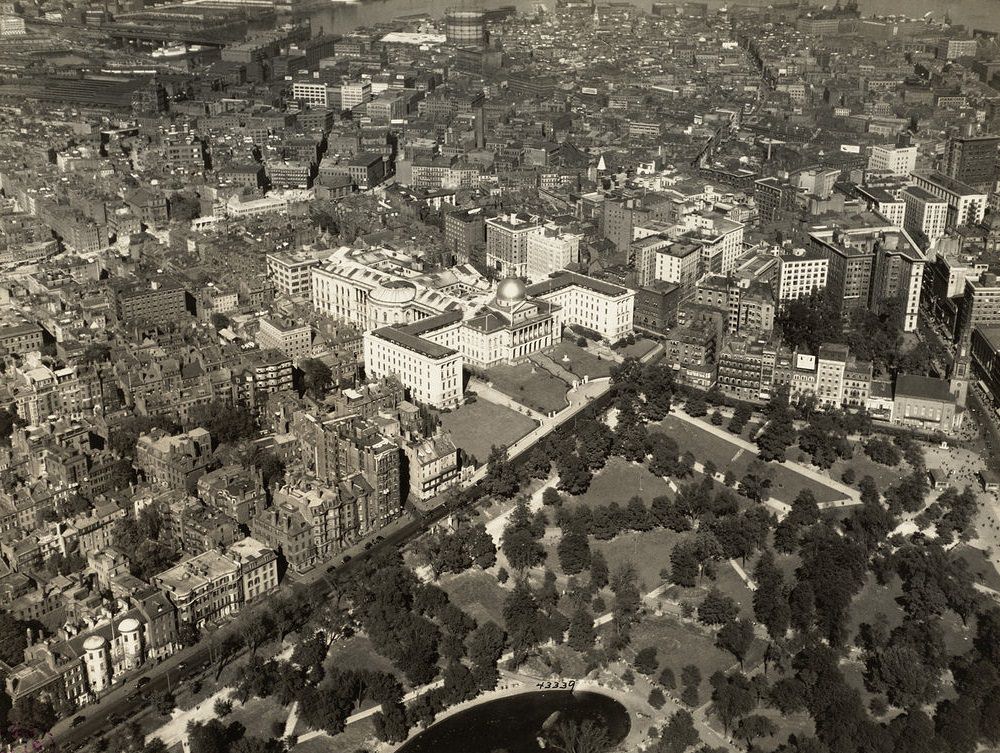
<point>143,681</point>
<point>182,666</point>
<point>368,545</point>
<point>379,539</point>
<point>116,719</point>
<point>346,559</point>
<point>78,720</point>
<point>332,569</point>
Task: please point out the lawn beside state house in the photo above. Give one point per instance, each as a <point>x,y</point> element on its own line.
<point>530,385</point>
<point>477,426</point>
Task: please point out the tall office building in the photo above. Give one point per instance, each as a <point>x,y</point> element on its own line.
<point>893,160</point>
<point>507,243</point>
<point>966,205</point>
<point>973,160</point>
<point>926,215</point>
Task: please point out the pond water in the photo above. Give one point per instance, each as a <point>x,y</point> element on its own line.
<point>513,724</point>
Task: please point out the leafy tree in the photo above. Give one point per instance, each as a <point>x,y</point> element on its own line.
<point>220,321</point>
<point>788,695</point>
<point>679,734</point>
<point>690,675</point>
<point>501,479</point>
<point>736,637</point>
<point>883,451</point>
<point>96,353</point>
<point>770,600</point>
<point>521,615</point>
<point>740,418</point>
<point>582,634</point>
<point>646,661</point>
<point>594,440</point>
<point>598,571</point>
<point>809,322</point>
<point>656,698</point>
<point>637,516</point>
<point>732,697</point>
<point>317,378</point>
<point>717,608</point>
<point>390,724</point>
<point>537,465</point>
<point>574,552</point>
<point>32,713</point>
<point>663,452</point>
<point>696,405</point>
<point>777,436</point>
<point>571,736</point>
<point>551,498</point>
<point>165,703</point>
<point>753,726</point>
<point>836,569</point>
<point>666,678</point>
<point>574,475</point>
<point>520,541</point>
<point>899,672</point>
<point>684,564</point>
<point>226,422</point>
<point>125,434</point>
<point>13,639</point>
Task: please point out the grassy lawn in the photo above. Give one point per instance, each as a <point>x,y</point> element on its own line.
<point>357,652</point>
<point>649,552</point>
<point>477,593</point>
<point>786,482</point>
<point>530,385</point>
<point>468,422</point>
<point>729,582</point>
<point>259,715</point>
<point>678,645</point>
<point>864,466</point>
<point>639,348</point>
<point>799,724</point>
<point>979,565</point>
<point>619,481</point>
<point>355,737</point>
<point>581,362</point>
<point>872,600</point>
<point>704,446</point>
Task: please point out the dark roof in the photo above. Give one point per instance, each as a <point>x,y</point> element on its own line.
<point>565,279</point>
<point>413,342</point>
<point>432,323</point>
<point>925,388</point>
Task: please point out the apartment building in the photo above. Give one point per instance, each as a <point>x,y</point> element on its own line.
<point>551,250</point>
<point>801,272</point>
<point>287,336</point>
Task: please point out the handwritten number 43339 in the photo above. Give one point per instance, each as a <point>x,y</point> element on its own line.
<point>556,684</point>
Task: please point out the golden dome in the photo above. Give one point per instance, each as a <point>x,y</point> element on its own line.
<point>510,291</point>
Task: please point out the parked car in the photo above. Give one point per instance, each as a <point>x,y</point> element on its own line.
<point>78,720</point>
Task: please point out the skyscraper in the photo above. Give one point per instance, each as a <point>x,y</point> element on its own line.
<point>973,160</point>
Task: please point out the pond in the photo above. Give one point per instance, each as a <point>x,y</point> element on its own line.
<point>513,724</point>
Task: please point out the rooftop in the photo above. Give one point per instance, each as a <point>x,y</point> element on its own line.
<point>923,387</point>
